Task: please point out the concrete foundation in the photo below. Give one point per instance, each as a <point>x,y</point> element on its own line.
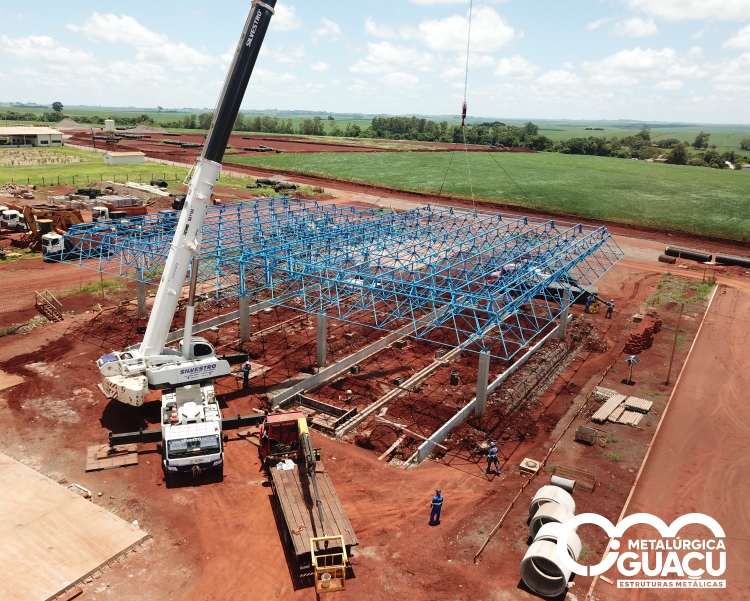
<point>244,312</point>
<point>140,294</point>
<point>483,374</point>
<point>322,349</point>
<point>51,537</point>
<point>562,329</point>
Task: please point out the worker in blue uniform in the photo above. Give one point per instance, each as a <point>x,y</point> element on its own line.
<point>492,458</point>
<point>437,506</point>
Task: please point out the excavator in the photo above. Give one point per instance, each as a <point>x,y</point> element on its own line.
<point>44,225</point>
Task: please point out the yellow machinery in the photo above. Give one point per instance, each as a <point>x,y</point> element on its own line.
<point>329,569</point>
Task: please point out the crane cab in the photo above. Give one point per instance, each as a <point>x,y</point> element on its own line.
<point>199,348</point>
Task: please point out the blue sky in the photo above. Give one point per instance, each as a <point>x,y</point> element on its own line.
<point>656,60</point>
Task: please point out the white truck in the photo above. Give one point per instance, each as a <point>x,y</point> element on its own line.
<point>13,220</point>
<point>191,430</point>
<point>128,375</point>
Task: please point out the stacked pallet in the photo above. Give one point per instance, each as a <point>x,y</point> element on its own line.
<point>643,337</point>
<point>603,413</point>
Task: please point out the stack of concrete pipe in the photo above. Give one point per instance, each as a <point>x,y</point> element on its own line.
<point>541,568</point>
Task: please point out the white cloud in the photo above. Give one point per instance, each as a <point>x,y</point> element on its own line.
<point>628,67</point>
<point>285,19</point>
<point>329,31</point>
<point>377,30</point>
<point>686,10</point>
<point>740,40</point>
<point>515,67</point>
<point>43,49</point>
<point>386,57</point>
<point>289,55</point>
<point>150,45</point>
<point>399,79</point>
<point>669,85</point>
<point>635,28</point>
<point>598,23</point>
<point>489,32</point>
<point>320,67</point>
<point>559,78</point>
<point>445,2</point>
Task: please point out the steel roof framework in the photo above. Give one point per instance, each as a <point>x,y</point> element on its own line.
<point>487,281</point>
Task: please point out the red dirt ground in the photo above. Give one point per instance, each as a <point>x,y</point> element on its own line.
<point>698,462</point>
<point>220,541</point>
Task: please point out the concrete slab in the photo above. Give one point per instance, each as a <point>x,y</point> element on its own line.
<point>51,537</point>
<point>9,380</point>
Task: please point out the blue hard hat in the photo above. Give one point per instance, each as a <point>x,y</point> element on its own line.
<point>492,444</point>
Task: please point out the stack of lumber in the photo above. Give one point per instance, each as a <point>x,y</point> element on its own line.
<point>603,413</point>
<point>621,410</point>
<point>603,394</point>
<point>640,405</point>
<point>643,337</point>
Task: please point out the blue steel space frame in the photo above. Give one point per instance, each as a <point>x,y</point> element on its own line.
<point>490,282</point>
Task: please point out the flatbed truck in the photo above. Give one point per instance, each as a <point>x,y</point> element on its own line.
<point>313,521</point>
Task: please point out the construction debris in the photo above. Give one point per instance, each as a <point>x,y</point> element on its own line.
<point>18,191</point>
<point>602,394</point>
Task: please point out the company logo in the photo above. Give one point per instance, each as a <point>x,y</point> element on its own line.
<point>254,28</point>
<point>669,561</point>
<point>195,370</point>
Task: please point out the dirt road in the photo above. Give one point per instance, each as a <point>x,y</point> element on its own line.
<point>698,461</point>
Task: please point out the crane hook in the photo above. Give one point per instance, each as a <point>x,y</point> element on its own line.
<point>463,115</point>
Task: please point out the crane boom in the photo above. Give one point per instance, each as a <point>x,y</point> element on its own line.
<point>187,240</point>
<point>128,375</point>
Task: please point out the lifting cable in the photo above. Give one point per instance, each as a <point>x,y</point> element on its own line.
<point>463,108</point>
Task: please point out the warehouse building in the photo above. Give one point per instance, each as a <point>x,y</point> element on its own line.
<point>28,135</point>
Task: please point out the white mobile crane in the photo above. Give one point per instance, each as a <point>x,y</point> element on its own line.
<point>191,432</point>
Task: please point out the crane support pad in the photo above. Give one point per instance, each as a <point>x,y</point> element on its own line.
<point>296,500</point>
<point>241,421</point>
<point>134,437</point>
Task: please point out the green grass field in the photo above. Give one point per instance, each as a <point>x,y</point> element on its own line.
<point>691,199</point>
<point>52,168</point>
<point>89,169</point>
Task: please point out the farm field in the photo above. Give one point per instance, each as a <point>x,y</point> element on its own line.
<point>690,199</point>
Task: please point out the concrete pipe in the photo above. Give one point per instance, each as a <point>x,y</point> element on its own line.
<point>565,483</point>
<point>551,531</point>
<point>549,512</point>
<point>542,571</point>
<point>551,494</point>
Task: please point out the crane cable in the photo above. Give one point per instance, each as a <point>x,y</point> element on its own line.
<point>463,108</point>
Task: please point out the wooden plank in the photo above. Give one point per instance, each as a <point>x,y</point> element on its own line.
<point>392,448</point>
<point>288,494</point>
<point>607,408</point>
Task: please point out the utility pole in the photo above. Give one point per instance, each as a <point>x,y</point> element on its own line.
<point>674,344</point>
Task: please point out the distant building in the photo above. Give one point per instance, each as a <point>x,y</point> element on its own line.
<point>28,135</point>
<point>124,158</point>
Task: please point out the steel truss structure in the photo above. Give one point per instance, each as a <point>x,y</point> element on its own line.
<point>489,282</point>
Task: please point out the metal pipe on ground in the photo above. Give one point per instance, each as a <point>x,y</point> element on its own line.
<point>686,253</point>
<point>730,260</point>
